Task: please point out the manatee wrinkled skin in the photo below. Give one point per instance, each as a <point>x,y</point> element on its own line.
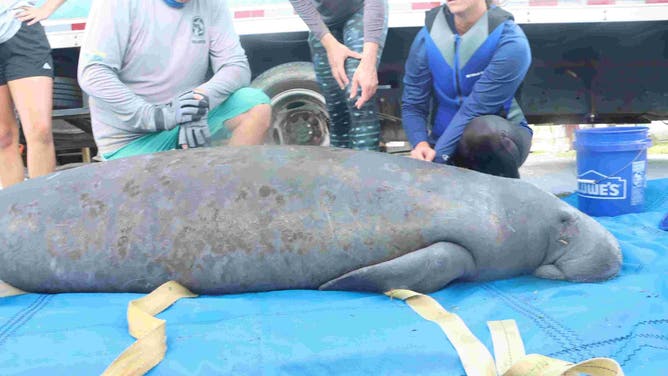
<point>245,219</point>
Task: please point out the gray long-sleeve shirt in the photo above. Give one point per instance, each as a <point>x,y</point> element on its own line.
<point>319,14</point>
<point>138,53</point>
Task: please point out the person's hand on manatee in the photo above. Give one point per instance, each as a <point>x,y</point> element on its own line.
<point>423,152</point>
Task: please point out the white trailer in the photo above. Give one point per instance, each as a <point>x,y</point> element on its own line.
<point>594,61</point>
<point>277,17</point>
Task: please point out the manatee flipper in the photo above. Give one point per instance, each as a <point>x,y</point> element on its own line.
<point>425,270</point>
<point>549,271</point>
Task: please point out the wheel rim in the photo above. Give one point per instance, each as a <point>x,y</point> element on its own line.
<point>300,118</point>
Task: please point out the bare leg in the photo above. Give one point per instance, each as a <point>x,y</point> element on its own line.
<point>12,165</point>
<point>250,128</point>
<point>33,99</point>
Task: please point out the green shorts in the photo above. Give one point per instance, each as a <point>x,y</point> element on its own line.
<point>241,101</point>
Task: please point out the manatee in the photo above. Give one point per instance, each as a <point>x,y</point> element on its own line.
<point>260,218</point>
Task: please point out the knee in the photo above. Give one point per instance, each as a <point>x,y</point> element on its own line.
<point>262,111</point>
<point>481,135</point>
<point>262,115</point>
<point>39,133</point>
<point>257,119</point>
<point>7,137</point>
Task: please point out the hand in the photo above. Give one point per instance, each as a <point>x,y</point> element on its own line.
<point>365,77</point>
<point>337,54</point>
<point>195,134</point>
<point>423,152</point>
<point>33,15</point>
<point>185,108</point>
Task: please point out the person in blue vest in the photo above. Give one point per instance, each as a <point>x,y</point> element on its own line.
<point>462,76</point>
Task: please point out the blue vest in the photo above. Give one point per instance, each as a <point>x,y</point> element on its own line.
<point>457,62</point>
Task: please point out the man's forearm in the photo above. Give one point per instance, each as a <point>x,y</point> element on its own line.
<point>225,82</point>
<point>123,107</point>
<point>231,69</point>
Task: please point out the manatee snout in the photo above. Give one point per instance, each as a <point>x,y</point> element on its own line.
<point>599,263</point>
<point>592,255</point>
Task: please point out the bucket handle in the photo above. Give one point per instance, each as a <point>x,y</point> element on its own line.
<point>590,181</point>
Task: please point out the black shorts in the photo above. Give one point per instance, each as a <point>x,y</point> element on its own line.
<point>26,54</point>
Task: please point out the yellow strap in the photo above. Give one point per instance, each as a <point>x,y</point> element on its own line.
<point>8,290</point>
<point>511,361</point>
<point>539,365</point>
<point>475,357</point>
<point>151,346</point>
<point>508,346</point>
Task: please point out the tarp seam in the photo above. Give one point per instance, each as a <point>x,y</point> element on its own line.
<point>23,317</point>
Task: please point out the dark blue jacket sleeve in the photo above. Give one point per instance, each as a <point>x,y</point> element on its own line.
<point>416,98</point>
<point>497,85</point>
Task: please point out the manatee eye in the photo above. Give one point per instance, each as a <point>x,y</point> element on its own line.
<point>565,217</point>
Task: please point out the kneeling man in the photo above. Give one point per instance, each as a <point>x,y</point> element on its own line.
<point>167,74</point>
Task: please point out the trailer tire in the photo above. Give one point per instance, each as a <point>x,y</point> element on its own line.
<point>66,93</point>
<point>299,111</point>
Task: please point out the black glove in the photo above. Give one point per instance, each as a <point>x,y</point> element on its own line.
<point>184,108</point>
<point>195,134</point>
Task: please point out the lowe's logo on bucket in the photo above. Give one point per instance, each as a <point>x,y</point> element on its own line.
<point>593,184</point>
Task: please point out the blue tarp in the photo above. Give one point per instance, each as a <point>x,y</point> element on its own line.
<point>324,333</point>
